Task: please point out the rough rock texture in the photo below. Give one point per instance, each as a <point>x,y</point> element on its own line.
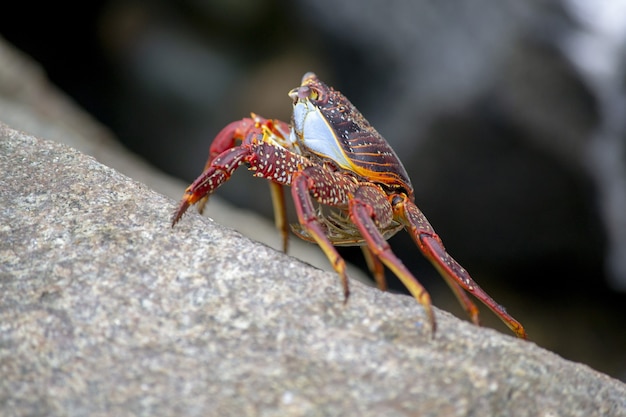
<point>106,310</point>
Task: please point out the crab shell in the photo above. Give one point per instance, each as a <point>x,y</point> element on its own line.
<point>328,125</point>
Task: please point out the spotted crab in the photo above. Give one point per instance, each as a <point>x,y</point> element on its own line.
<point>348,187</point>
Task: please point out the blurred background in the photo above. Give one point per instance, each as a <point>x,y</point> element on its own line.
<point>509,116</point>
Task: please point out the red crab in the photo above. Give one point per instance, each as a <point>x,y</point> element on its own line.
<point>348,187</point>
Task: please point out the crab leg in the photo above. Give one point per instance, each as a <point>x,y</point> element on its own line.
<point>226,139</point>
<point>280,213</point>
<point>467,304</point>
<point>303,186</point>
<point>431,246</point>
<point>218,172</point>
<point>266,160</point>
<point>376,267</point>
<point>333,189</point>
<point>369,206</point>
<point>229,136</point>
<point>242,131</point>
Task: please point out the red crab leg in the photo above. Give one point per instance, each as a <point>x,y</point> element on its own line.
<point>218,172</point>
<point>303,185</point>
<point>266,160</point>
<point>227,138</point>
<point>368,204</point>
<point>332,189</point>
<point>241,131</point>
<point>431,246</point>
<point>467,304</point>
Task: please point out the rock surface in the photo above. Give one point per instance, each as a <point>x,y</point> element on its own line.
<point>106,310</point>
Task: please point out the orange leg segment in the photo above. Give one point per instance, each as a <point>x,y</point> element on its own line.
<point>376,267</point>
<point>280,212</point>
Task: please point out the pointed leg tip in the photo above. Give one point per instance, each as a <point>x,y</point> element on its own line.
<point>521,333</point>
<point>286,244</point>
<point>182,208</point>
<point>346,296</point>
<point>432,334</point>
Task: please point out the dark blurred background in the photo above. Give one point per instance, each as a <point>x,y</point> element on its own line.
<point>509,117</point>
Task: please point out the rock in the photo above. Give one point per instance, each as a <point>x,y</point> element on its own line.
<point>107,310</point>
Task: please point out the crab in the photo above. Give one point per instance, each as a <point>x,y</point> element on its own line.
<point>348,187</point>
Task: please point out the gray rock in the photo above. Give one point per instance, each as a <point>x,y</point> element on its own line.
<point>106,310</point>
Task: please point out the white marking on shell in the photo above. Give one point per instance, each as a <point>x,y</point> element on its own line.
<point>316,134</point>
